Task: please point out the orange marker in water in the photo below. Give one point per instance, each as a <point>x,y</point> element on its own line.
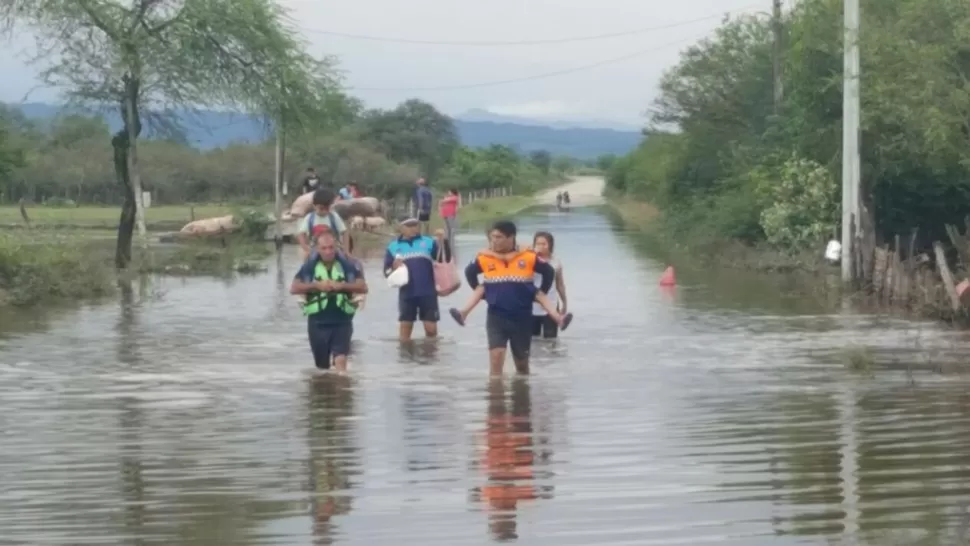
<point>668,278</point>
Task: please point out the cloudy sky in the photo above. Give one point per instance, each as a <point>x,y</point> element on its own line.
<point>517,80</point>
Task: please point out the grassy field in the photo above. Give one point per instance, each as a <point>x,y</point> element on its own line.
<point>164,217</point>
<point>71,256</point>
<point>173,217</point>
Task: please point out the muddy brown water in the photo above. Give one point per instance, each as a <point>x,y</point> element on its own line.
<point>720,411</point>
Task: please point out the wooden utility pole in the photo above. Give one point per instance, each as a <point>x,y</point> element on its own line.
<point>777,31</point>
<point>278,185</point>
<point>850,139</point>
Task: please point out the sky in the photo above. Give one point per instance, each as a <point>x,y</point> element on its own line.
<point>457,78</point>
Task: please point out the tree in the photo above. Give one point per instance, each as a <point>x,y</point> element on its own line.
<point>70,130</point>
<point>11,156</point>
<point>414,132</point>
<point>563,164</point>
<point>148,57</point>
<point>723,143</point>
<point>605,162</point>
<point>542,160</point>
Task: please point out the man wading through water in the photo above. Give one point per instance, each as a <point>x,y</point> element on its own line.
<point>329,286</point>
<point>418,299</point>
<point>509,291</point>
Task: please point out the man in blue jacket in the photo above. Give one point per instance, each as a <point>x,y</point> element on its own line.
<point>418,299</point>
<point>422,205</point>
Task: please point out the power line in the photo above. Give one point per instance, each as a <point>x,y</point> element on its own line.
<point>533,77</point>
<point>524,42</point>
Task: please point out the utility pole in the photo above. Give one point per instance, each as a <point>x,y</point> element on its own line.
<point>278,185</point>
<point>776,28</point>
<point>850,139</point>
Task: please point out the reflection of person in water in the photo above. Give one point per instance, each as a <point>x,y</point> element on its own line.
<point>509,457</point>
<point>332,452</point>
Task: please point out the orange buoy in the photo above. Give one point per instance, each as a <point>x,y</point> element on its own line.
<point>668,278</point>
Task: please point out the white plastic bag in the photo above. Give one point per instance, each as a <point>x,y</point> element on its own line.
<point>833,252</point>
<point>398,277</point>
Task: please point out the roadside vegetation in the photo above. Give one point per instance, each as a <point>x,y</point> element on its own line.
<point>731,180</point>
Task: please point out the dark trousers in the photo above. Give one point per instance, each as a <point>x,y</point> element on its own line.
<point>328,341</point>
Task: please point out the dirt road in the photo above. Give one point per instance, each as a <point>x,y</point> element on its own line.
<point>584,191</point>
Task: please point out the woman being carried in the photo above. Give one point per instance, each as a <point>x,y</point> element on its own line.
<point>546,316</point>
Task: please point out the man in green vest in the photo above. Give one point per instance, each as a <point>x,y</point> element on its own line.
<point>329,287</point>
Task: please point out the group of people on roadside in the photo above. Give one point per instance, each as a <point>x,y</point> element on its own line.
<point>311,182</point>
<point>562,200</point>
<point>448,205</point>
<point>523,287</point>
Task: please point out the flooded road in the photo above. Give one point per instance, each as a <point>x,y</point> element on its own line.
<point>716,412</point>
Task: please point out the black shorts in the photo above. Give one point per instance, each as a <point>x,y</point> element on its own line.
<point>544,326</point>
<point>423,308</point>
<point>516,334</point>
<point>424,217</point>
<point>328,340</point>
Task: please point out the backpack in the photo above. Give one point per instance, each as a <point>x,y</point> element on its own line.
<point>333,225</point>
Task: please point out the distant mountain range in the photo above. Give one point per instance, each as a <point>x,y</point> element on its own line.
<point>476,128</point>
<point>478,114</point>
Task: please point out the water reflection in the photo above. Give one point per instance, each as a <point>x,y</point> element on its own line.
<point>333,454</point>
<point>683,418</point>
<point>131,420</point>
<point>509,457</point>
<point>421,351</point>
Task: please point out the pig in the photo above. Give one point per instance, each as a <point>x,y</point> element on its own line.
<point>302,205</point>
<point>374,223</point>
<point>210,226</point>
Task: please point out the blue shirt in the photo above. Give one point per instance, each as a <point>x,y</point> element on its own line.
<point>418,255</point>
<point>422,199</point>
<point>331,314</point>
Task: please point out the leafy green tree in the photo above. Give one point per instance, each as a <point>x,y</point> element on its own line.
<point>11,156</point>
<point>146,56</point>
<point>542,160</point>
<point>73,129</point>
<point>605,162</point>
<point>563,164</point>
<point>721,136</point>
<point>413,132</point>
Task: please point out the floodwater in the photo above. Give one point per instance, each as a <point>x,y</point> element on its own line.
<point>721,411</point>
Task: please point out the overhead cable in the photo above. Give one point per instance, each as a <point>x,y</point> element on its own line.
<point>524,42</point>
<point>598,64</point>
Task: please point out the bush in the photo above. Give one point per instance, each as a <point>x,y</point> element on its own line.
<point>47,271</point>
<point>253,223</point>
<point>803,209</point>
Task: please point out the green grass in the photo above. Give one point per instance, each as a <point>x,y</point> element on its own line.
<point>162,217</point>
<point>39,271</point>
<point>173,217</point>
<point>60,266</point>
<point>210,257</point>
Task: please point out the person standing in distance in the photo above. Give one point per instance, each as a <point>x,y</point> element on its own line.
<point>448,207</point>
<point>418,299</point>
<point>422,205</point>
<point>509,293</point>
<point>329,286</point>
<point>311,182</point>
